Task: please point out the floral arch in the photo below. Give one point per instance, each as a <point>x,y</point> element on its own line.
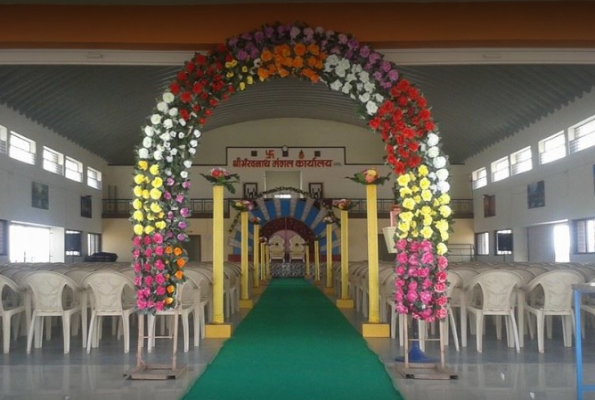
<point>391,105</point>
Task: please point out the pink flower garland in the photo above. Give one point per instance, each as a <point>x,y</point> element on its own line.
<point>420,287</point>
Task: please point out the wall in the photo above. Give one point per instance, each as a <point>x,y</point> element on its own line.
<point>569,185</point>
<point>64,195</point>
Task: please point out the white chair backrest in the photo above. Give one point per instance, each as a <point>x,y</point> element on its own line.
<point>8,289</point>
<point>47,288</point>
<point>557,288</point>
<point>497,288</point>
<point>107,287</point>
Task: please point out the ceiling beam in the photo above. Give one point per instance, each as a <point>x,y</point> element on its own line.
<point>538,24</point>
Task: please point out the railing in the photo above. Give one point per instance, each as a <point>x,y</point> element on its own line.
<point>203,208</point>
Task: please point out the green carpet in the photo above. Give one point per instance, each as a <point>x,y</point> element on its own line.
<point>294,344</point>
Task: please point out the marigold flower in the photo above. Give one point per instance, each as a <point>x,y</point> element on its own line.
<point>169,300</point>
<point>299,49</point>
<point>157,182</point>
<point>179,274</point>
<point>154,169</point>
<point>138,215</point>
<point>155,194</point>
<point>139,178</point>
<point>149,229</point>
<point>138,229</point>
<point>156,208</point>
<point>138,191</point>
<point>168,250</point>
<point>180,262</point>
<point>177,251</point>
<point>160,225</point>
<point>143,165</point>
<point>171,289</point>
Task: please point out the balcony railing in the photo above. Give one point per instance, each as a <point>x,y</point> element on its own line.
<point>203,208</point>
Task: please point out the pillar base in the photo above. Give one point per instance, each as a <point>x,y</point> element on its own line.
<point>345,303</point>
<point>328,290</point>
<point>263,282</point>
<point>317,283</point>
<point>217,331</point>
<point>256,289</point>
<point>377,330</point>
<point>308,276</point>
<point>248,303</point>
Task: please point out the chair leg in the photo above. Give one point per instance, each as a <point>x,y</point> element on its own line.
<point>31,332</point>
<point>515,331</point>
<point>479,332</point>
<point>126,332</point>
<point>453,328</point>
<point>567,330</point>
<point>66,321</point>
<point>549,322</point>
<point>91,332</point>
<point>540,331</point>
<point>6,333</point>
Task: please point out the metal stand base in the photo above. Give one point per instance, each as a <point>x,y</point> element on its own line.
<point>425,371</point>
<point>155,372</point>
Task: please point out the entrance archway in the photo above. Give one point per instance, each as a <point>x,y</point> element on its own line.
<point>392,107</point>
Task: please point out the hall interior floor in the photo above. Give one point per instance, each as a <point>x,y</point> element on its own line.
<point>497,373</point>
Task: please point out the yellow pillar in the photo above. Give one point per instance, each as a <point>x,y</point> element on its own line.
<point>262,262</point>
<point>268,263</point>
<point>245,301</point>
<point>218,329</point>
<point>256,255</point>
<point>373,328</point>
<point>344,301</point>
<point>328,288</point>
<point>308,276</point>
<point>316,262</point>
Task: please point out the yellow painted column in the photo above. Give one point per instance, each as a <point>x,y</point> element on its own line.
<point>328,288</point>
<point>245,301</point>
<point>256,255</point>
<point>262,262</point>
<point>218,329</point>
<point>308,276</point>
<point>373,328</point>
<point>316,262</point>
<point>267,274</point>
<point>344,301</point>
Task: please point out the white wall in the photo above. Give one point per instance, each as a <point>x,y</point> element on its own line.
<point>569,185</point>
<point>64,195</point>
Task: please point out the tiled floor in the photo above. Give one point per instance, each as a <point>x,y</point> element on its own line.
<point>498,373</point>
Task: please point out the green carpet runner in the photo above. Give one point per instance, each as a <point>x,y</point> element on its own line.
<point>294,344</point>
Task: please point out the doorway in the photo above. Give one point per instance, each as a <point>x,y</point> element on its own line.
<point>193,248</point>
<point>29,243</point>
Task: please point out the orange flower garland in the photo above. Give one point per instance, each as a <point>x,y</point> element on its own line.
<point>285,60</point>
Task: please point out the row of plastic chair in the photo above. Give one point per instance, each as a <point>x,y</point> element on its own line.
<point>71,290</point>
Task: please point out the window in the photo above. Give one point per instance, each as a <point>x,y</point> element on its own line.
<point>3,237</point>
<point>3,140</point>
<point>552,148</point>
<point>21,148</point>
<point>521,161</point>
<point>482,244</point>
<point>73,243</point>
<point>74,169</point>
<point>500,169</point>
<point>480,178</point>
<point>585,236</point>
<point>53,161</point>
<point>582,136</point>
<point>93,243</point>
<point>504,242</point>
<point>93,178</point>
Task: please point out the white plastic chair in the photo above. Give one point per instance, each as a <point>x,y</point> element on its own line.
<point>556,300</point>
<point>107,288</point>
<point>498,295</point>
<point>10,306</point>
<point>48,289</point>
<point>185,309</point>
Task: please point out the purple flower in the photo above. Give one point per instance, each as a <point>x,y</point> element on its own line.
<point>232,42</point>
<point>167,196</point>
<point>242,55</point>
<point>368,66</point>
<point>377,75</point>
<point>247,36</point>
<point>180,198</point>
<point>170,181</point>
<point>393,75</point>
<point>181,237</point>
<point>170,215</point>
<point>254,52</point>
<point>374,57</point>
<point>182,225</point>
<point>364,51</point>
<point>186,184</point>
<point>353,44</point>
<point>259,36</point>
<point>184,212</point>
<point>269,31</point>
<point>385,66</point>
<point>342,38</point>
<point>309,33</point>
